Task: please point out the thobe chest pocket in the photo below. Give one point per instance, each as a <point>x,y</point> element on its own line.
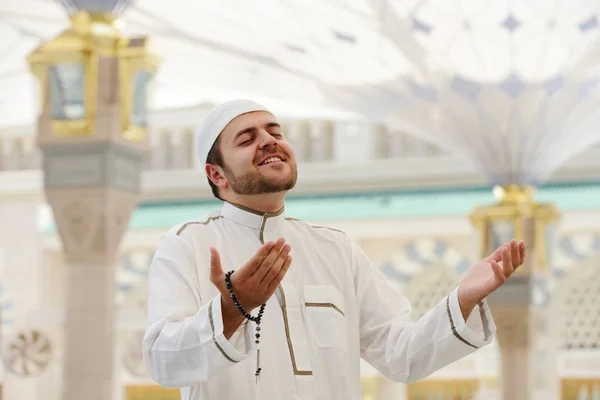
<point>324,308</point>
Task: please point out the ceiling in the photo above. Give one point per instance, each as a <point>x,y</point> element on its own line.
<point>215,50</point>
<point>454,71</point>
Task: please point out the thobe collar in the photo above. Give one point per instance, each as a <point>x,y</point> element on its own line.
<point>263,223</point>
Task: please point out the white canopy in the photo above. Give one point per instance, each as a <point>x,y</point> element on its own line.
<point>216,50</point>
<point>509,84</point>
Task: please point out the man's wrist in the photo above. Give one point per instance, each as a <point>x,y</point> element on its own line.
<point>232,318</point>
<point>466,307</point>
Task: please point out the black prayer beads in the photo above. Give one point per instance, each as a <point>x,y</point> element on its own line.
<point>249,317</point>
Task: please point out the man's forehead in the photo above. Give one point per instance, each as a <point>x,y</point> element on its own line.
<point>255,119</point>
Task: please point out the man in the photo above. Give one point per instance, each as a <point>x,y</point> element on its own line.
<point>325,305</point>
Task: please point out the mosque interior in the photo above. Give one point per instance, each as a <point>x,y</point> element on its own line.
<point>429,131</point>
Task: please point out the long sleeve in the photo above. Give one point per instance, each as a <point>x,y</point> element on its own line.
<point>408,351</point>
<point>184,342</point>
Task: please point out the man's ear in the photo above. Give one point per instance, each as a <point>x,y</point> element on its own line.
<point>215,174</point>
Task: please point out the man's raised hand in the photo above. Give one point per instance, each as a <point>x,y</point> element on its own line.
<point>255,282</point>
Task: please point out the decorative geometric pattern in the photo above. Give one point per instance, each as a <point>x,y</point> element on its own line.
<point>578,306</point>
<point>419,254</point>
<point>513,87</point>
<point>568,251</point>
<point>573,248</point>
<point>429,287</point>
<point>132,270</point>
<point>541,291</point>
<point>28,353</point>
<point>135,301</point>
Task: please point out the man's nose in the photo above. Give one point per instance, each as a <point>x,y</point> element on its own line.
<point>267,140</point>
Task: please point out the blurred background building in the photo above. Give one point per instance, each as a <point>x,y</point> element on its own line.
<point>430,131</point>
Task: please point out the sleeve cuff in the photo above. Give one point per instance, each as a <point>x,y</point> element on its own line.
<point>240,344</point>
<point>478,330</point>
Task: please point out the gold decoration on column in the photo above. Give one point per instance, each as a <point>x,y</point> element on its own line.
<point>443,389</point>
<point>580,388</point>
<point>526,348</point>
<point>518,212</point>
<point>67,68</point>
<point>151,392</point>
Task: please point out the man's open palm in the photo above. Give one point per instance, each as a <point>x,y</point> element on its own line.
<point>490,273</point>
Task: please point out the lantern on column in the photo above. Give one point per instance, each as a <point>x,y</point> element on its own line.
<point>67,69</point>
<point>137,66</point>
<point>517,216</point>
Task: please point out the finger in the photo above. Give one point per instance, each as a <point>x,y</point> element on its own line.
<point>515,254</point>
<point>498,271</point>
<point>254,263</point>
<point>284,268</point>
<point>268,262</point>
<point>496,255</point>
<point>216,269</point>
<point>522,251</point>
<point>276,267</point>
<point>506,262</point>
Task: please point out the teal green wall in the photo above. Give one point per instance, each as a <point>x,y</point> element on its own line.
<point>399,204</point>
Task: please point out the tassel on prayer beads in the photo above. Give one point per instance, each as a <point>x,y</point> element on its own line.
<point>257,374</point>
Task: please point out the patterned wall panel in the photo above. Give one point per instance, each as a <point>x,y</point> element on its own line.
<point>574,248</point>
<point>407,261</point>
<point>574,289</point>
<point>576,307</point>
<point>430,287</point>
<point>132,271</point>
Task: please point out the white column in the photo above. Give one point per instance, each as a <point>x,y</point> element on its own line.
<point>7,157</point>
<point>21,278</point>
<point>353,142</point>
<point>296,133</point>
<point>397,144</point>
<point>152,160</point>
<point>160,149</point>
<point>392,391</point>
<point>50,318</point>
<point>321,139</point>
<point>381,142</point>
<point>188,149</point>
<point>2,153</point>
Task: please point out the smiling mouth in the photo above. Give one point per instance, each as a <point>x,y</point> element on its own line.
<point>271,160</point>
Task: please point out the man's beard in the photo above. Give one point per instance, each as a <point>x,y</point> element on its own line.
<point>254,183</point>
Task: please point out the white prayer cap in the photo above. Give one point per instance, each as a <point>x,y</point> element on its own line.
<point>218,119</point>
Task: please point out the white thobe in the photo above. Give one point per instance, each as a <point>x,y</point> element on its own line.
<point>332,308</point>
